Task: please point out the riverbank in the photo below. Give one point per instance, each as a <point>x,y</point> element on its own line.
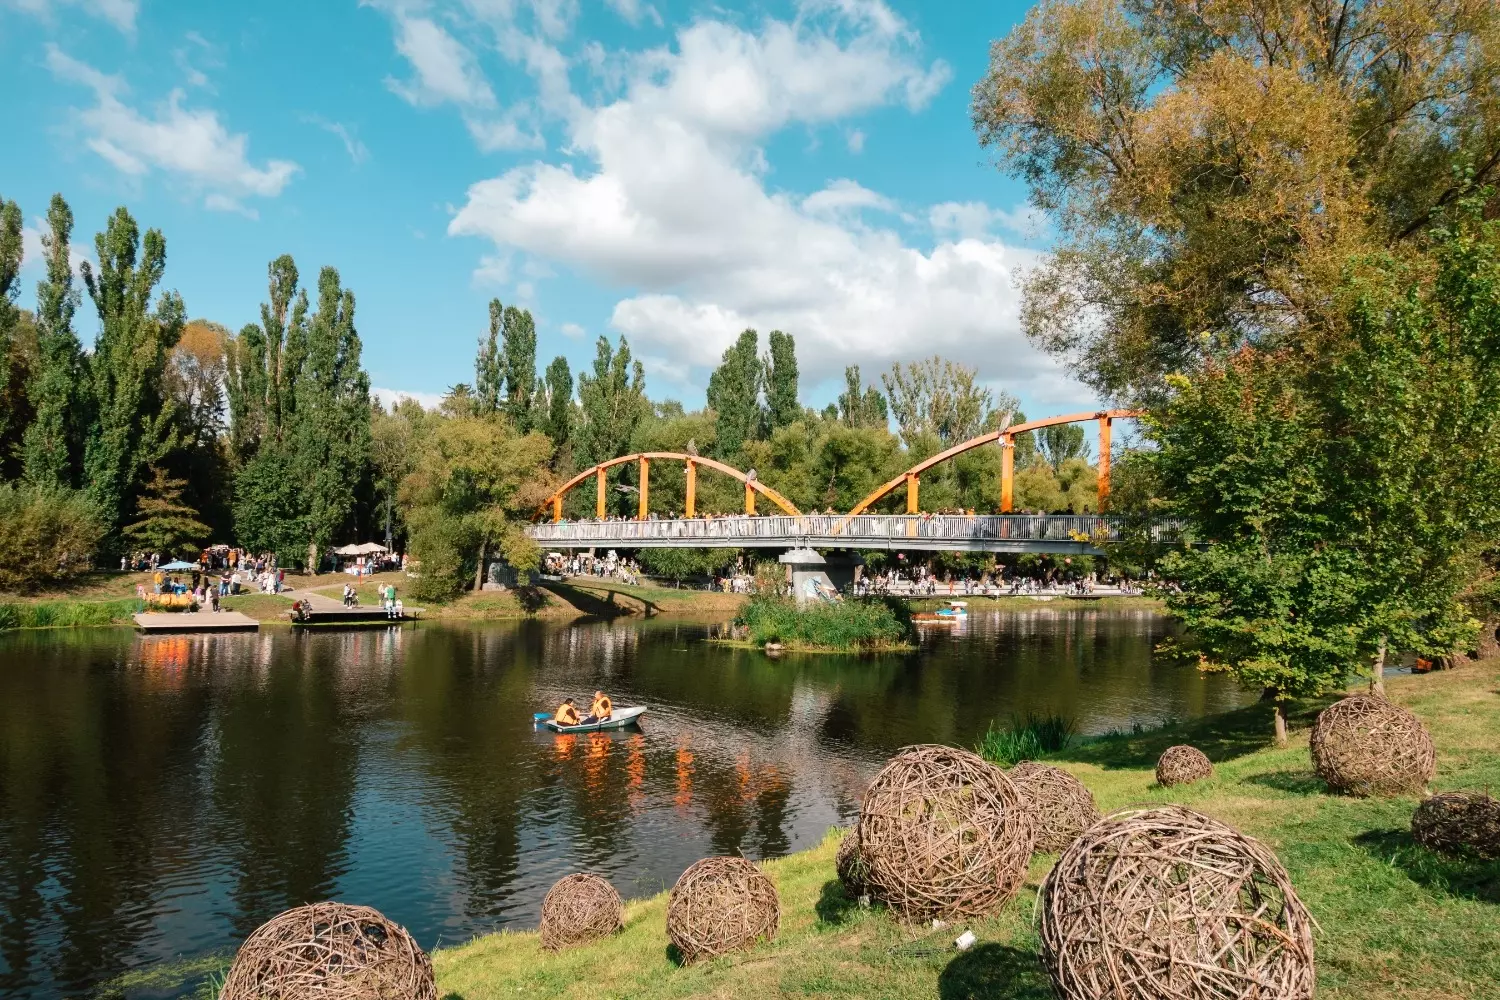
<point>1395,919</point>
<point>1057,602</point>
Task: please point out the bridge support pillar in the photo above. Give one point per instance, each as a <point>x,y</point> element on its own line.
<point>809,575</point>
<point>749,499</point>
<point>913,485</point>
<point>644,488</point>
<point>692,488</point>
<point>599,488</point>
<point>556,509</point>
<point>1105,427</point>
<point>1007,472</point>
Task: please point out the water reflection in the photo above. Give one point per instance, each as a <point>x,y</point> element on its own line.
<point>160,797</point>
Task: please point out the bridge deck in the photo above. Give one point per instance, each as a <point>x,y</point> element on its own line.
<point>1058,533</point>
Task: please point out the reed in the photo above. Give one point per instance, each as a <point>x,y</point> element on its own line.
<point>851,624</point>
<point>67,614</point>
<point>1027,737</point>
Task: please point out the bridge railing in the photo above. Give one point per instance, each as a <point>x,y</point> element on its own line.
<point>826,530</point>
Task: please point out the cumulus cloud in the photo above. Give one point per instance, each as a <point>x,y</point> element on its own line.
<point>390,397</point>
<point>665,195</point>
<point>120,13</point>
<point>976,219</point>
<point>191,144</point>
<point>443,69</point>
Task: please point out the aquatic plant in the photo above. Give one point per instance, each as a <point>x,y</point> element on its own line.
<point>850,624</point>
<point>1026,738</point>
<point>66,614</point>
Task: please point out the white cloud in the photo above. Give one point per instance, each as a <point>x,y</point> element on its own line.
<point>572,331</point>
<point>357,150</point>
<point>445,70</point>
<point>390,397</point>
<point>190,144</point>
<point>976,219</point>
<point>665,194</point>
<point>855,141</point>
<point>120,13</point>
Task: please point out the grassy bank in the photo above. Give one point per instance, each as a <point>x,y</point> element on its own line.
<point>1395,919</point>
<point>66,613</point>
<point>852,626</point>
<point>1110,603</point>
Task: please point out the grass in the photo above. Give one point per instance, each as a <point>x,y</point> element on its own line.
<point>1028,737</point>
<point>1394,919</point>
<point>67,614</point>
<point>851,625</point>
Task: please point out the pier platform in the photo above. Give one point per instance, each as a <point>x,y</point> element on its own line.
<point>195,621</point>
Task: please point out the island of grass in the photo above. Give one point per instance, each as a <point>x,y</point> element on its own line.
<point>867,625</point>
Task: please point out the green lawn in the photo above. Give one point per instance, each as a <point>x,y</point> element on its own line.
<point>1395,920</point>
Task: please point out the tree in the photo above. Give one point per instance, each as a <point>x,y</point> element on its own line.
<point>780,367</point>
<point>518,345</point>
<point>1343,494</point>
<point>489,364</point>
<point>12,405</point>
<point>860,405</point>
<point>734,395</point>
<point>270,512</point>
<point>612,401</point>
<point>559,383</point>
<point>164,522</point>
<point>50,534</point>
<point>1212,167</point>
<point>195,377</point>
<point>266,361</point>
<point>1062,442</point>
<point>133,420</point>
<point>938,397</point>
<point>52,445</point>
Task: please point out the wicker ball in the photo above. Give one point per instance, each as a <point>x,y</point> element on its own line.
<point>851,867</point>
<point>943,833</point>
<point>1365,745</point>
<point>720,905</point>
<point>330,951</point>
<point>1459,823</point>
<point>1173,904</point>
<point>1061,806</point>
<point>1182,765</point>
<point>577,909</point>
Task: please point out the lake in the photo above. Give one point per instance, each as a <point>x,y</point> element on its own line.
<point>162,796</point>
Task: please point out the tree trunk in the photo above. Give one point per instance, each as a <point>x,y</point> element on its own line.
<point>312,559</point>
<point>1377,677</point>
<point>479,572</point>
<point>1281,723</point>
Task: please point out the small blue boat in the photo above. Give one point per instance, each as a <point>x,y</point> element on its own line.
<point>619,719</point>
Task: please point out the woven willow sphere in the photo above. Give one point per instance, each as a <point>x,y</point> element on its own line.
<point>1061,806</point>
<point>1365,745</point>
<point>1459,823</point>
<point>851,866</point>
<point>1182,765</point>
<point>943,833</point>
<point>577,909</point>
<point>330,951</point>
<point>1167,904</point>
<point>720,905</point>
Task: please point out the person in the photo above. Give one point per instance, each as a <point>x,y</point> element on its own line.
<point>566,714</point>
<point>601,710</point>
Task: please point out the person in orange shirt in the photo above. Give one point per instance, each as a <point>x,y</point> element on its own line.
<point>601,709</point>
<point>566,714</point>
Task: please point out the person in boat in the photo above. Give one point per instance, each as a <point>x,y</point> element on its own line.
<point>566,714</point>
<point>601,710</point>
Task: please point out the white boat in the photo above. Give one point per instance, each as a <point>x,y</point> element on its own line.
<point>951,614</point>
<point>619,719</point>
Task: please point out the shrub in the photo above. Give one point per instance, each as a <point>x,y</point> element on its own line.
<point>1026,738</point>
<point>844,624</point>
<point>47,534</point>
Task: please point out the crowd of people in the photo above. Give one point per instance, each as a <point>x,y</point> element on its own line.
<point>610,566</point>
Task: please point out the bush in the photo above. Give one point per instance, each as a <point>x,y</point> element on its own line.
<point>844,624</point>
<point>1027,738</point>
<point>47,534</point>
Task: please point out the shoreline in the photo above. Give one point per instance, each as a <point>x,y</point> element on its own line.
<point>795,646</point>
<point>1395,920</point>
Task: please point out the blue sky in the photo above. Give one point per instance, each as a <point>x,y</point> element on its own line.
<point>670,171</point>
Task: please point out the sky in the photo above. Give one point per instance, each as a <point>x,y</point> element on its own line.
<point>670,172</point>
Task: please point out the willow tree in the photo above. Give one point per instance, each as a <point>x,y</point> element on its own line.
<point>1211,167</point>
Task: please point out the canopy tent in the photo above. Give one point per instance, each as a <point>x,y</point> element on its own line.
<point>363,549</point>
<point>179,564</point>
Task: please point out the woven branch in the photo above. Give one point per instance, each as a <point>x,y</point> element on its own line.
<point>577,909</point>
<point>330,951</point>
<point>850,866</point>
<point>943,833</point>
<point>1182,765</point>
<point>1168,904</point>
<point>720,905</point>
<point>1061,806</point>
<point>1459,823</point>
<point>1365,745</point>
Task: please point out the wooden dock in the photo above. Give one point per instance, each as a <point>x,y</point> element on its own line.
<point>195,621</point>
<point>341,617</point>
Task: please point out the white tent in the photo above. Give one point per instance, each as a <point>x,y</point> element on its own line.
<point>349,550</point>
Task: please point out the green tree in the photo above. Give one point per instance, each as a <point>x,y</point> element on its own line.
<point>164,522</point>
<point>489,364</point>
<point>265,362</point>
<point>133,419</point>
<point>12,407</point>
<point>860,405</point>
<point>559,382</point>
<point>50,534</point>
<point>518,345</point>
<point>1061,443</point>
<point>1343,494</point>
<point>52,443</point>
<point>1212,166</point>
<point>612,402</point>
<point>270,512</point>
<point>734,395</point>
<point>939,398</point>
<point>780,366</point>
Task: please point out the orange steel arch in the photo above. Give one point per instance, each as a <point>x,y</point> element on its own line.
<point>1006,437</point>
<point>645,458</point>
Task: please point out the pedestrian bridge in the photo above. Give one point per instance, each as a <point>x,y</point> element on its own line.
<point>1053,533</point>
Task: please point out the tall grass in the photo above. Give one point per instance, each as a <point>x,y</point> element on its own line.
<point>1026,738</point>
<point>67,614</point>
<point>853,624</point>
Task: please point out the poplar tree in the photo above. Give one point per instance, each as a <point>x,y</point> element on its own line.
<point>612,400</point>
<point>518,345</point>
<point>264,363</point>
<point>782,407</point>
<point>10,272</point>
<point>559,381</point>
<point>734,395</point>
<point>861,405</point>
<point>51,443</point>
<point>489,366</point>
<point>133,421</point>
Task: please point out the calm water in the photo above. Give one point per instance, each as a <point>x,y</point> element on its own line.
<point>160,797</point>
